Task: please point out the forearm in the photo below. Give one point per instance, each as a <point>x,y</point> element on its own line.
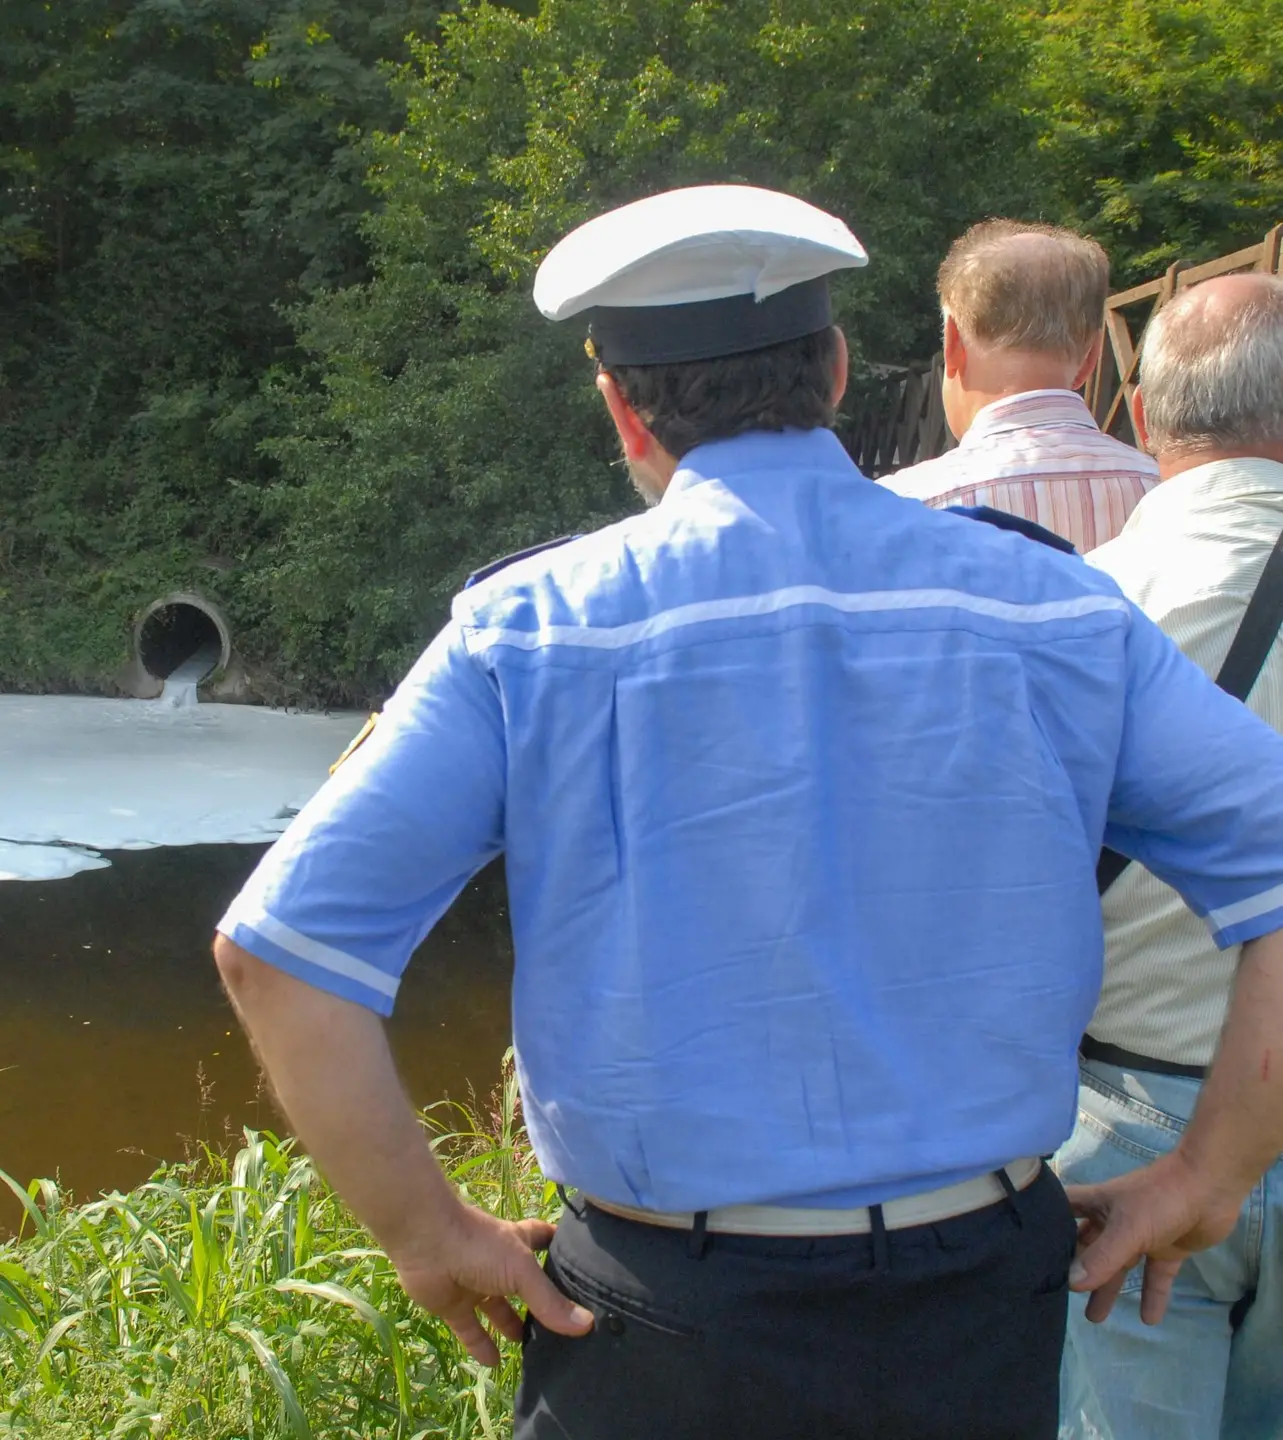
<point>332,1071</point>
<point>1236,1131</point>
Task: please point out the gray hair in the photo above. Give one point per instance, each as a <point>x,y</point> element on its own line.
<point>1211,371</point>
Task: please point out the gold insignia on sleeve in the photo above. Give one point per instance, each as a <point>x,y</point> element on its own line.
<point>362,735</point>
<point>590,349</point>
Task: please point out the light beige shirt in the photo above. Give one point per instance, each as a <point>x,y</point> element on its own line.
<point>1190,557</point>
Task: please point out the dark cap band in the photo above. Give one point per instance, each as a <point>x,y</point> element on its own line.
<point>707,329</point>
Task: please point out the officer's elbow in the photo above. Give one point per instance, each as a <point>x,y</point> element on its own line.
<point>240,971</point>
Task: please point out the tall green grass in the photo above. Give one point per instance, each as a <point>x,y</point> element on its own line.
<point>234,1298</point>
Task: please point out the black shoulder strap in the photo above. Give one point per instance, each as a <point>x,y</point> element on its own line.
<point>495,566</point>
<point>1256,633</point>
<point>1030,529</point>
<point>1257,630</point>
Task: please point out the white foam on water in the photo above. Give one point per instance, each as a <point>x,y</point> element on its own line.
<point>47,862</point>
<point>80,775</point>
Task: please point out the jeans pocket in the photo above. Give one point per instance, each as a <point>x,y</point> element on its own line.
<point>1115,1134</point>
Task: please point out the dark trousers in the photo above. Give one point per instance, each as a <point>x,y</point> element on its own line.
<point>950,1331</point>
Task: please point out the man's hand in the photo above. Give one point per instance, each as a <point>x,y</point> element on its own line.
<point>1191,1198</point>
<point>1163,1213</point>
<point>474,1264</point>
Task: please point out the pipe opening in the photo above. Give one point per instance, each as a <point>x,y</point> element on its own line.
<point>181,639</point>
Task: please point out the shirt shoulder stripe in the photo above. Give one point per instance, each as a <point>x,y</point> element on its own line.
<point>617,637</point>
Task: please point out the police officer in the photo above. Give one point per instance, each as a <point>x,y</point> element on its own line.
<point>800,787</point>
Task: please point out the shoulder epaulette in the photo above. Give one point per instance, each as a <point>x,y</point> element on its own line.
<point>495,566</point>
<point>1030,529</point>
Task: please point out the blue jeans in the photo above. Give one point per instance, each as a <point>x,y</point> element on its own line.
<point>1213,1370</point>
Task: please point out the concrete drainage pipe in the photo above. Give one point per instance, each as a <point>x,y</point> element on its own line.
<point>178,641</point>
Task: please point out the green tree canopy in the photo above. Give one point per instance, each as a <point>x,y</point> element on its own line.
<point>265,296</point>
<point>452,422</point>
<point>1164,124</point>
<point>174,173</point>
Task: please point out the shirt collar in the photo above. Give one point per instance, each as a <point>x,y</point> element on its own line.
<point>1216,483</point>
<point>1029,409</point>
<point>761,450</point>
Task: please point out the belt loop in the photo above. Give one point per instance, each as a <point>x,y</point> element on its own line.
<point>881,1250</point>
<point>569,1205</point>
<point>1013,1195</point>
<point>699,1235</point>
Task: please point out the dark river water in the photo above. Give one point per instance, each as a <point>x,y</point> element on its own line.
<point>118,1049</point>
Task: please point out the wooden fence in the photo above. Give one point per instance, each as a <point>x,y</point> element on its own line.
<point>897,417</point>
<point>1127,316</point>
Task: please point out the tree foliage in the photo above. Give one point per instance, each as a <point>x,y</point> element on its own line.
<point>266,327</point>
<point>1165,133</point>
<point>453,423</point>
<point>174,173</point>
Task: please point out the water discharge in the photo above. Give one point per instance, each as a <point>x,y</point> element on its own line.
<point>181,683</point>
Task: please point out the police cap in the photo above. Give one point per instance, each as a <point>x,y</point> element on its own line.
<point>697,273</point>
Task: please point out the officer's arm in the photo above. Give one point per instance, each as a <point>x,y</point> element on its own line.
<point>1199,800</point>
<point>334,1077</point>
<point>312,951</point>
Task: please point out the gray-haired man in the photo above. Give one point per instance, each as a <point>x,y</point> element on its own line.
<point>1210,407</point>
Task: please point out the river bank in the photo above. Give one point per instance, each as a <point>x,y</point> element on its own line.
<point>233,1297</point>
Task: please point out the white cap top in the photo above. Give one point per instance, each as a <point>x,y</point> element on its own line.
<point>708,242</point>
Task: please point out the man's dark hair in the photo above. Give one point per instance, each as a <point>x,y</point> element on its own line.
<point>788,386</point>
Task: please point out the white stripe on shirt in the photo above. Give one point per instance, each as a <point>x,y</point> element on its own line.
<point>737,607</point>
<point>302,947</point>
<point>1247,909</point>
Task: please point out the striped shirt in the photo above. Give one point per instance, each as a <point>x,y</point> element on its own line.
<point>1042,456</point>
<point>1190,557</point>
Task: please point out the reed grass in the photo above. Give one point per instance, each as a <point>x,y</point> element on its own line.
<point>233,1297</point>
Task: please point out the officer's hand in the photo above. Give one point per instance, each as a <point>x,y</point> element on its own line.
<point>473,1262</point>
<point>1163,1213</point>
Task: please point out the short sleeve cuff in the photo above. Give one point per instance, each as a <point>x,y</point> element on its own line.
<point>1248,919</point>
<point>311,961</point>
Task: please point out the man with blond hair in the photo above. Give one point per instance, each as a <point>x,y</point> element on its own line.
<point>1023,308</point>
<point>1201,556</point>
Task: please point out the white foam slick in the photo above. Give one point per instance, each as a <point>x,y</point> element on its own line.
<point>79,776</point>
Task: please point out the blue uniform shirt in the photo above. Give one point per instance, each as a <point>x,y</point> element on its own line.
<point>800,787</point>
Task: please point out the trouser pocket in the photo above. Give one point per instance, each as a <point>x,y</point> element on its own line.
<point>636,1376</point>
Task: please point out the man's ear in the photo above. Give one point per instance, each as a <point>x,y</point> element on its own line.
<point>1087,368</point>
<point>636,440</point>
<point>955,349</point>
<point>841,367</point>
<point>1138,420</point>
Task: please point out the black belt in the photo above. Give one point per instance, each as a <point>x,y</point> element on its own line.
<point>1128,1059</point>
